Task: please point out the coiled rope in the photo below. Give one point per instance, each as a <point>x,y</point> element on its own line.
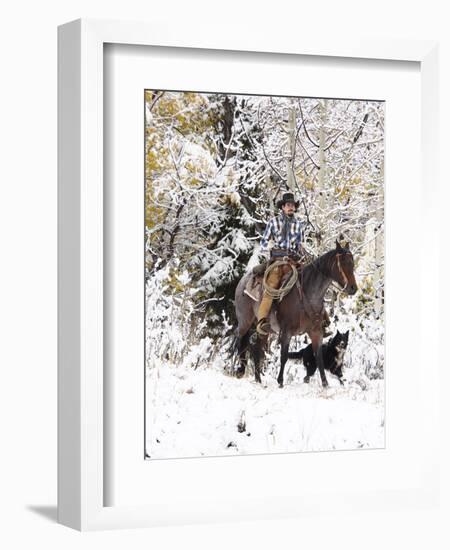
<point>280,293</point>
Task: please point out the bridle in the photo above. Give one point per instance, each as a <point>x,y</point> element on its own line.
<point>337,259</point>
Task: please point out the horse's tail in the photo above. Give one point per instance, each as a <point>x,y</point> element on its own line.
<point>296,354</point>
<point>233,347</point>
<point>238,345</point>
<point>236,350</point>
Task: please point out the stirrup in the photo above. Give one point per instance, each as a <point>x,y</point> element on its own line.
<point>263,327</point>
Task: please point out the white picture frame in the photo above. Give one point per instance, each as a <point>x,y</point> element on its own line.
<point>81,405</point>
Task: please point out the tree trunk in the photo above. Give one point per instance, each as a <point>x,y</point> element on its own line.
<point>322,178</point>
<point>292,123</point>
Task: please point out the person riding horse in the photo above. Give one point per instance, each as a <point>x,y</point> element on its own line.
<point>286,231</point>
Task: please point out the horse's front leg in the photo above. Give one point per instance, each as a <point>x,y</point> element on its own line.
<point>316,340</point>
<point>285,339</point>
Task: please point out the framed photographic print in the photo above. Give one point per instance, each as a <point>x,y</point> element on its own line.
<point>233,276</point>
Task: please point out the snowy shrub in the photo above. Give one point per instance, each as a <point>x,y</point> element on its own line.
<point>171,322</point>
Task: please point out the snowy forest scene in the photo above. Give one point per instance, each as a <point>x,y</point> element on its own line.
<point>218,168</point>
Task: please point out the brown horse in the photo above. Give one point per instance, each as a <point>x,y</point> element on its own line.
<point>300,311</point>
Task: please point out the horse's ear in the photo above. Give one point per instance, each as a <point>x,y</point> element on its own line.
<point>338,246</point>
<point>347,245</point>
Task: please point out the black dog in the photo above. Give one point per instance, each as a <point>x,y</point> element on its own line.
<point>332,353</point>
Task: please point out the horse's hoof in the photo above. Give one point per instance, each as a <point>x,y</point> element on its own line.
<point>240,373</point>
<point>306,380</point>
<point>280,384</point>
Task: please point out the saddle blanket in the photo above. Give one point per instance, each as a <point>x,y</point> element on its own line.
<point>254,288</point>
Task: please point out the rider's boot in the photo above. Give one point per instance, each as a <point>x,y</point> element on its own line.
<point>263,325</point>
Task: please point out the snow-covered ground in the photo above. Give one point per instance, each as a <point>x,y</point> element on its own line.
<point>203,411</point>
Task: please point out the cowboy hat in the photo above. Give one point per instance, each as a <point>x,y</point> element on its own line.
<point>287,197</point>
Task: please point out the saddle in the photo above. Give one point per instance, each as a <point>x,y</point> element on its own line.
<point>254,287</point>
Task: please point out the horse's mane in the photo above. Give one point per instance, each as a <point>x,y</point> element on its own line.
<point>322,263</point>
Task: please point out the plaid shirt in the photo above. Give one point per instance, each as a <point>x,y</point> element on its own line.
<point>274,230</point>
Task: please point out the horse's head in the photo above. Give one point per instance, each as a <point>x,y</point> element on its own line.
<point>343,268</point>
